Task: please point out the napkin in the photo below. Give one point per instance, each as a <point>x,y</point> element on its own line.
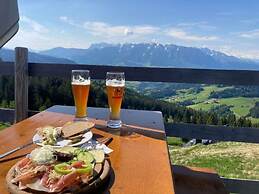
<point>93,144</point>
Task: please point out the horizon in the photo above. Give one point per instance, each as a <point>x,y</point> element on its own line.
<point>117,44</point>
<point>226,27</point>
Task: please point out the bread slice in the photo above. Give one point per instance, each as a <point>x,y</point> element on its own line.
<point>76,128</point>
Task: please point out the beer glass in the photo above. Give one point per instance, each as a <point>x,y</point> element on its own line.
<point>115,83</point>
<point>80,88</point>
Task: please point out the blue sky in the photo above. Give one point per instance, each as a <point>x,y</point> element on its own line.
<point>231,26</point>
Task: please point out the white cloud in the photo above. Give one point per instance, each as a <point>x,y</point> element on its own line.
<point>63,18</point>
<point>36,36</point>
<point>253,34</point>
<point>37,41</point>
<point>239,52</point>
<point>182,35</point>
<point>68,20</point>
<point>138,32</point>
<point>107,30</point>
<point>34,25</point>
<point>202,25</point>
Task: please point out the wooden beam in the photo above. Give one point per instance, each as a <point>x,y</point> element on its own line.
<point>7,114</point>
<point>152,74</point>
<point>21,83</point>
<point>241,186</point>
<point>213,132</point>
<point>6,68</point>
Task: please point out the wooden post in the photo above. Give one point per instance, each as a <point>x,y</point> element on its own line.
<point>21,83</point>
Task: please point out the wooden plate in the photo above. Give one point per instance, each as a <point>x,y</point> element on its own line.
<point>102,172</point>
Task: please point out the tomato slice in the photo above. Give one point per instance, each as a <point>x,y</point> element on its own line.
<point>77,164</point>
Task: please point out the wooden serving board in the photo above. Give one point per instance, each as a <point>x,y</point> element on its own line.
<point>101,173</point>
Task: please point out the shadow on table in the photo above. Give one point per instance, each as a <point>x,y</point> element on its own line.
<point>132,131</point>
<point>192,180</point>
<point>105,187</point>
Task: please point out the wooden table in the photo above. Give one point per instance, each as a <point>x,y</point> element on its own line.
<point>140,161</point>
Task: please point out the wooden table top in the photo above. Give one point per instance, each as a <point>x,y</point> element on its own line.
<point>140,160</point>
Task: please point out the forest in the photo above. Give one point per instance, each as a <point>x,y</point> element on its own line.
<point>244,91</point>
<point>45,92</point>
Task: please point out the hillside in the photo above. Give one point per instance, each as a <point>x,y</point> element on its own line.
<point>229,159</point>
<point>152,54</point>
<point>216,98</point>
<point>45,92</point>
<point>8,55</point>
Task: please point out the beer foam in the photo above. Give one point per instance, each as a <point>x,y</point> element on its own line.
<point>115,83</point>
<point>80,82</point>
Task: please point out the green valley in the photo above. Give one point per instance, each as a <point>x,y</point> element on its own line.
<point>202,100</point>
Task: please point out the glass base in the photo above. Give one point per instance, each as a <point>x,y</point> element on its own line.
<point>114,124</point>
<point>81,119</point>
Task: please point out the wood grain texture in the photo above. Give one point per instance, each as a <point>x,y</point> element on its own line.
<point>8,115</point>
<point>21,83</point>
<point>213,132</point>
<point>149,119</point>
<point>151,74</point>
<point>241,186</point>
<point>140,163</point>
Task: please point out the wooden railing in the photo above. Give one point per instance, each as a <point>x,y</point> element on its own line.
<point>21,70</point>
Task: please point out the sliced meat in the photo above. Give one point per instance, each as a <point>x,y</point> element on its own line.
<point>65,181</point>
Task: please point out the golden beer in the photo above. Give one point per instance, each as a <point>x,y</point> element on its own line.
<point>115,84</point>
<point>115,95</point>
<point>80,93</point>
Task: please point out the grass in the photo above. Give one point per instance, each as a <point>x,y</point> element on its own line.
<point>174,141</point>
<point>3,125</point>
<point>186,94</point>
<point>239,105</point>
<point>229,159</point>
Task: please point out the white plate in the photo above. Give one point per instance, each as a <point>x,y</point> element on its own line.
<point>64,142</point>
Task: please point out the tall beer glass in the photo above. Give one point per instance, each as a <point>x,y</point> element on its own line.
<point>115,84</point>
<point>80,89</point>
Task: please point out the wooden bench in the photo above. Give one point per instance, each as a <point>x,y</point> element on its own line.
<point>192,180</point>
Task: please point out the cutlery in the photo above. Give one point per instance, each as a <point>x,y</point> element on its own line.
<point>105,140</point>
<point>15,149</point>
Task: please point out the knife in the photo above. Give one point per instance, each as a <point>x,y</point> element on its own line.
<point>15,149</point>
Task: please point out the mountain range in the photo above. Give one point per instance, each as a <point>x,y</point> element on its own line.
<point>141,54</point>
<point>8,55</point>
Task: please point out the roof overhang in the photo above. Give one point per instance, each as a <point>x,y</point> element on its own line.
<point>9,17</point>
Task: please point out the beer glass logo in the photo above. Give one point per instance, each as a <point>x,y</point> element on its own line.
<point>117,92</point>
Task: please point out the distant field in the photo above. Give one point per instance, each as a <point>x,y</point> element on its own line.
<point>239,105</point>
<point>186,94</point>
